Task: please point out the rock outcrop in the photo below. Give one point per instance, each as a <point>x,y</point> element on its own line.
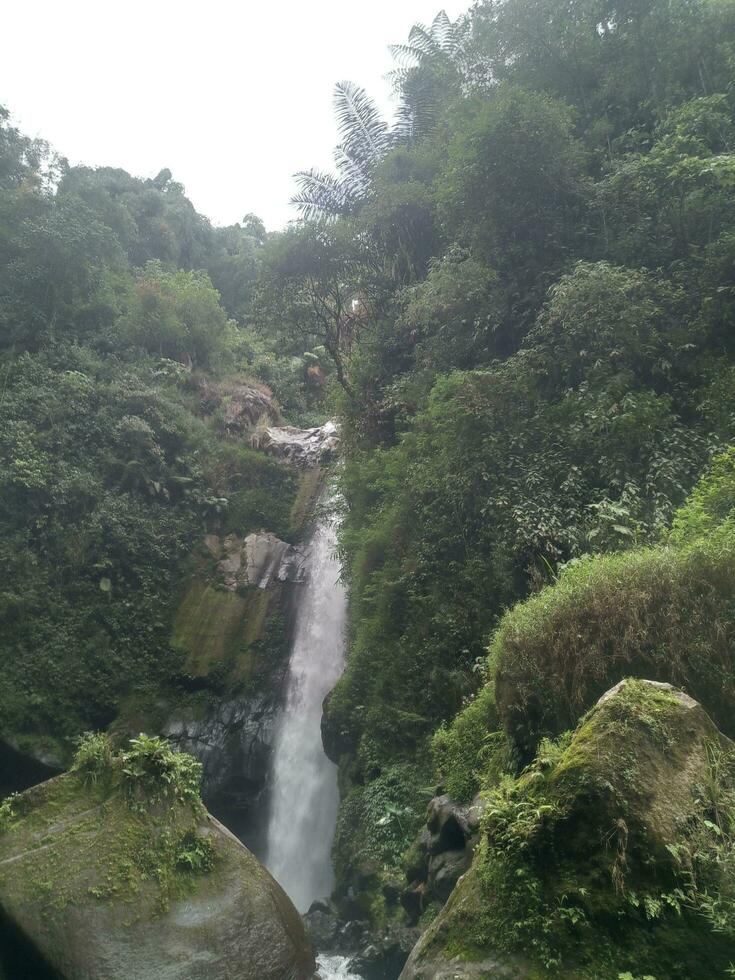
<point>233,742</point>
<point>260,559</point>
<point>241,403</point>
<point>442,853</point>
<point>106,889</point>
<point>302,447</point>
<point>581,858</point>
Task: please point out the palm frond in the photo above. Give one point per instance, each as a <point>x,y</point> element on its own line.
<point>404,54</point>
<point>321,195</point>
<point>364,132</point>
<point>422,41</point>
<point>442,32</point>
<point>354,173</point>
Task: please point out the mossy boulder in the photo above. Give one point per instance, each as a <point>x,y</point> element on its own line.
<point>665,613</point>
<point>612,854</point>
<point>110,885</point>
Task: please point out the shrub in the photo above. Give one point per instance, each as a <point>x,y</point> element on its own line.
<point>711,503</point>
<point>7,812</point>
<point>152,767</point>
<point>196,853</point>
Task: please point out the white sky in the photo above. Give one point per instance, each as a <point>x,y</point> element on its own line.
<point>233,97</point>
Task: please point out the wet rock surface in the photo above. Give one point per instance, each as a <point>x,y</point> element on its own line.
<point>386,954</point>
<point>260,559</point>
<point>234,744</point>
<point>302,447</point>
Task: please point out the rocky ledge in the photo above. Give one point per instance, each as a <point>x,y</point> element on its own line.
<point>260,559</point>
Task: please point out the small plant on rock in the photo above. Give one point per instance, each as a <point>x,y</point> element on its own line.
<point>95,758</point>
<point>151,766</point>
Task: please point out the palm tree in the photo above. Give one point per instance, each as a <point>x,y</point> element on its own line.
<point>366,138</point>
<point>433,65</point>
<point>431,69</point>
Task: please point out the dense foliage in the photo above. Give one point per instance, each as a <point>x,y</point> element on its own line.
<point>520,298</point>
<point>526,289</point>
<point>122,338</point>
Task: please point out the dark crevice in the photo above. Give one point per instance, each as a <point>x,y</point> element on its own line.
<point>19,960</point>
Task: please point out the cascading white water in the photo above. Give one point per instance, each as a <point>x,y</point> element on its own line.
<point>304,797</point>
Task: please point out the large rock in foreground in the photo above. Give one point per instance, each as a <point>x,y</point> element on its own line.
<point>110,888</point>
<point>605,858</point>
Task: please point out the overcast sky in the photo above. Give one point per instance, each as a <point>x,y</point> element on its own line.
<point>233,97</point>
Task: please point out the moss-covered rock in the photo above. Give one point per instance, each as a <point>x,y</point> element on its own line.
<point>612,854</point>
<point>109,883</point>
<point>664,613</point>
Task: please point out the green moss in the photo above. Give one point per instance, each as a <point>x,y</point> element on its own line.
<point>586,863</point>
<point>127,826</point>
<point>310,482</point>
<point>220,630</point>
<point>470,752</point>
<point>664,613</point>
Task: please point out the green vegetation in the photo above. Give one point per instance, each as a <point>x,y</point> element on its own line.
<point>597,860</point>
<point>376,825</point>
<point>146,795</point>
<point>664,613</point>
<point>525,287</point>
<point>472,752</point>
<point>520,300</point>
<point>124,346</point>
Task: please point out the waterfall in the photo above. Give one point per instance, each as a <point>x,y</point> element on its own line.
<point>304,797</point>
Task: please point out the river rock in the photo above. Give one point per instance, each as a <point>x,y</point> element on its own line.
<point>441,853</point>
<point>78,876</point>
<point>386,954</point>
<point>322,926</point>
<point>302,447</point>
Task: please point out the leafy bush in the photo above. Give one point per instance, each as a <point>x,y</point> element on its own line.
<point>196,853</point>
<point>149,770</point>
<point>711,503</point>
<point>378,821</point>
<point>7,812</point>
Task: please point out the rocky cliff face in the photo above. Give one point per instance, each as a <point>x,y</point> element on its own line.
<point>442,853</point>
<point>236,620</point>
<point>108,887</point>
<point>224,624</point>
